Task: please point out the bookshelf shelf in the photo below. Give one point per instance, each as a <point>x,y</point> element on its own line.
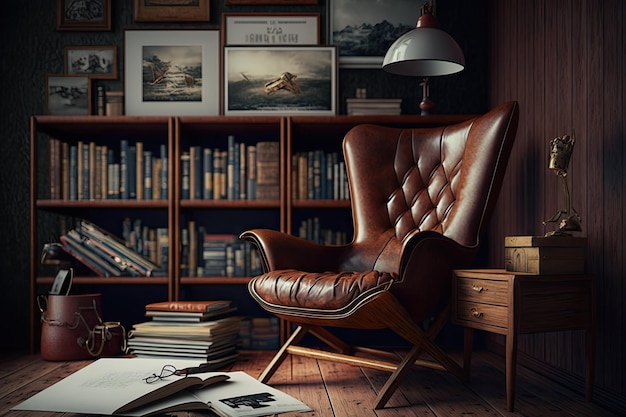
<point>278,207</point>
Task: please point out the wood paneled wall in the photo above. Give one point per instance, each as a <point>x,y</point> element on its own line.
<point>564,61</point>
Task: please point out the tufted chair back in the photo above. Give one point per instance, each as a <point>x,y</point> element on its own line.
<point>406,181</point>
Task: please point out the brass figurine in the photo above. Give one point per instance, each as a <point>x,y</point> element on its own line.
<point>561,149</point>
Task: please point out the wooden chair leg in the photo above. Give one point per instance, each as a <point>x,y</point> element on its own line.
<point>280,356</point>
<point>394,380</point>
<point>331,340</point>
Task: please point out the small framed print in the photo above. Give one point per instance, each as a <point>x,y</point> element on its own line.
<point>93,61</point>
<point>286,80</point>
<point>171,11</point>
<point>267,2</point>
<point>364,30</point>
<point>172,72</point>
<point>83,15</point>
<point>270,28</point>
<point>68,94</point>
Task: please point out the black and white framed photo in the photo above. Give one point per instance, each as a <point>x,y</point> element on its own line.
<point>172,72</point>
<point>286,80</point>
<point>363,30</point>
<point>270,28</point>
<point>68,94</point>
<point>83,15</point>
<point>93,61</point>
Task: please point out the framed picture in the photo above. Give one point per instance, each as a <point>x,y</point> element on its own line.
<point>94,61</point>
<point>270,28</point>
<point>260,2</point>
<point>83,15</point>
<point>68,94</point>
<point>172,72</point>
<point>280,79</point>
<point>363,30</point>
<point>171,11</point>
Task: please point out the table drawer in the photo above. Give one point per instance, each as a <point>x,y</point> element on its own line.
<point>484,314</point>
<point>483,291</point>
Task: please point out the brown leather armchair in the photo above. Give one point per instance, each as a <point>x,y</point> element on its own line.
<point>420,200</point>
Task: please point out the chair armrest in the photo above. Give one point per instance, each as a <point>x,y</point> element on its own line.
<point>280,250</point>
<point>426,264</point>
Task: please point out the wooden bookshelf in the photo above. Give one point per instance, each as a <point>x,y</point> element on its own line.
<point>217,216</point>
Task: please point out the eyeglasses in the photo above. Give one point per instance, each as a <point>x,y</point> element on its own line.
<point>169,370</point>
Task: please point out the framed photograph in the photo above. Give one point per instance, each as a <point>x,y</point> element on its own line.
<point>68,94</point>
<point>270,28</point>
<point>280,79</point>
<point>260,2</point>
<point>172,72</point>
<point>171,11</point>
<point>83,15</point>
<point>363,30</point>
<point>93,61</point>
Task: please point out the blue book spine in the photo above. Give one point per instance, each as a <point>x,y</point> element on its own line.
<point>147,175</point>
<point>124,169</point>
<point>236,172</point>
<point>207,166</point>
<point>131,169</point>
<point>185,168</point>
<point>230,169</point>
<point>164,172</point>
<point>85,173</point>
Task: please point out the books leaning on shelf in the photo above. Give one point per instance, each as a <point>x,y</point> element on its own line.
<point>204,330</point>
<point>106,254</point>
<point>118,386</point>
<point>364,106</point>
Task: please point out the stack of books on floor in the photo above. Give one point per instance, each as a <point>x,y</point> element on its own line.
<point>206,330</point>
<point>361,106</point>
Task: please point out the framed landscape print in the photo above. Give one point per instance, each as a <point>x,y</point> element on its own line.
<point>94,61</point>
<point>270,28</point>
<point>286,80</point>
<point>83,15</point>
<point>171,11</point>
<point>363,30</point>
<point>171,72</point>
<point>68,94</point>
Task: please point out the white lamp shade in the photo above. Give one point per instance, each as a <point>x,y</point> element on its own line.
<point>425,52</point>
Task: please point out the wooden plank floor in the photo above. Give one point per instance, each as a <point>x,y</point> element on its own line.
<point>335,390</point>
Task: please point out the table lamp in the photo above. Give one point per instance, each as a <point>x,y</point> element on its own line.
<point>424,51</point>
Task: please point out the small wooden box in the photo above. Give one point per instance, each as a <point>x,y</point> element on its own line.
<point>545,255</point>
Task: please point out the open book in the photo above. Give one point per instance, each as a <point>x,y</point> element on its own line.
<point>117,386</point>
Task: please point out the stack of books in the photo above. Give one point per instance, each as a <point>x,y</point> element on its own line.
<point>205,330</point>
<point>361,106</point>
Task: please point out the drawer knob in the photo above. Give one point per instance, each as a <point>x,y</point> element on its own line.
<point>477,288</point>
<point>476,313</point>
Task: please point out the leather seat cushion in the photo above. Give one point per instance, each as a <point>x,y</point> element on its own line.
<point>326,291</point>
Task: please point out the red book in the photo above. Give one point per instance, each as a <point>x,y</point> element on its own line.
<point>189,306</point>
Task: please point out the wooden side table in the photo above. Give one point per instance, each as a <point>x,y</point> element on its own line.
<point>514,303</point>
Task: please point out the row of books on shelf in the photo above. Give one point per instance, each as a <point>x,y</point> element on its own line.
<point>319,175</point>
<point>205,254</point>
<point>240,172</point>
<point>311,229</point>
<point>144,251</point>
<point>87,171</point>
